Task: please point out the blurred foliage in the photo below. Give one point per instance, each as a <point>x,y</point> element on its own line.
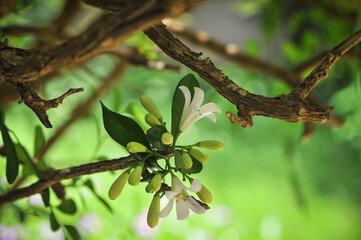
<point>265,183</point>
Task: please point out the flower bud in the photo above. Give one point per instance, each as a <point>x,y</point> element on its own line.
<point>118,185</point>
<point>149,188</point>
<point>204,195</point>
<point>167,138</point>
<point>156,183</point>
<point>134,177</point>
<point>135,147</point>
<point>150,106</point>
<point>200,156</point>
<point>151,120</point>
<point>187,161</point>
<point>153,218</point>
<point>211,144</point>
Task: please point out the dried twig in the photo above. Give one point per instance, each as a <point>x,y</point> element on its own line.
<point>39,105</point>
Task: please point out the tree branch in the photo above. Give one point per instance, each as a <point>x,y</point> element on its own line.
<point>39,105</point>
<point>19,65</point>
<point>73,172</point>
<point>323,69</point>
<point>285,107</point>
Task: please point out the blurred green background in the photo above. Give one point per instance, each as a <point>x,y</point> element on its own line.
<point>266,183</point>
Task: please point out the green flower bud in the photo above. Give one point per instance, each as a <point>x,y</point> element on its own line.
<point>211,144</point>
<point>156,182</point>
<point>118,185</point>
<point>134,177</point>
<point>187,160</point>
<point>200,156</point>
<point>149,188</point>
<point>150,106</point>
<point>167,138</point>
<point>153,218</point>
<point>151,120</point>
<point>204,195</point>
<point>135,147</point>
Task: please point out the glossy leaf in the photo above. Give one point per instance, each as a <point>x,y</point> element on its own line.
<point>154,136</point>
<point>68,206</point>
<point>190,82</point>
<point>196,167</point>
<point>53,222</point>
<point>12,162</point>
<point>123,129</point>
<point>39,139</point>
<point>72,232</point>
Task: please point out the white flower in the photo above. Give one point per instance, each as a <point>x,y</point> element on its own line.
<point>192,112</point>
<point>183,201</point>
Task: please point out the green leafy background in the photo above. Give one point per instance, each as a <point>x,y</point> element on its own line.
<point>265,183</point>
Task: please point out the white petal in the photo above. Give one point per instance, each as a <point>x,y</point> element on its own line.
<point>211,116</point>
<point>182,209</point>
<point>170,194</point>
<point>209,107</point>
<point>194,205</point>
<point>177,185</point>
<point>196,186</point>
<point>165,212</point>
<point>198,97</point>
<point>187,95</point>
<point>190,122</point>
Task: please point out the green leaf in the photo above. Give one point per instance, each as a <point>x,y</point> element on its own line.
<point>190,82</point>
<point>123,129</point>
<point>39,139</point>
<point>12,162</point>
<point>72,232</point>
<point>2,117</point>
<point>29,166</point>
<point>154,136</point>
<point>46,197</point>
<point>53,222</point>
<point>68,206</point>
<point>90,185</point>
<point>196,167</point>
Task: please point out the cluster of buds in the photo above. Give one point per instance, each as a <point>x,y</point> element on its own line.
<point>149,170</point>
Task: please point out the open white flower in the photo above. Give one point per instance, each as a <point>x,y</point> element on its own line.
<point>193,111</point>
<point>183,201</point>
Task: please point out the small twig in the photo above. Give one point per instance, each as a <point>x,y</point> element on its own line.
<point>73,172</point>
<point>39,105</point>
<point>323,69</point>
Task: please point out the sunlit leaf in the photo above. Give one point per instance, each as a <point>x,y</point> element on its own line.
<point>123,129</point>
<point>190,82</point>
<point>68,206</point>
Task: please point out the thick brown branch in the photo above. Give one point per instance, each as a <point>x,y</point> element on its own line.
<point>323,69</point>
<point>72,172</point>
<point>284,107</point>
<point>290,77</point>
<point>39,105</point>
<point>19,65</point>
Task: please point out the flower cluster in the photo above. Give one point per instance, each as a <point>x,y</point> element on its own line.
<point>187,158</point>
